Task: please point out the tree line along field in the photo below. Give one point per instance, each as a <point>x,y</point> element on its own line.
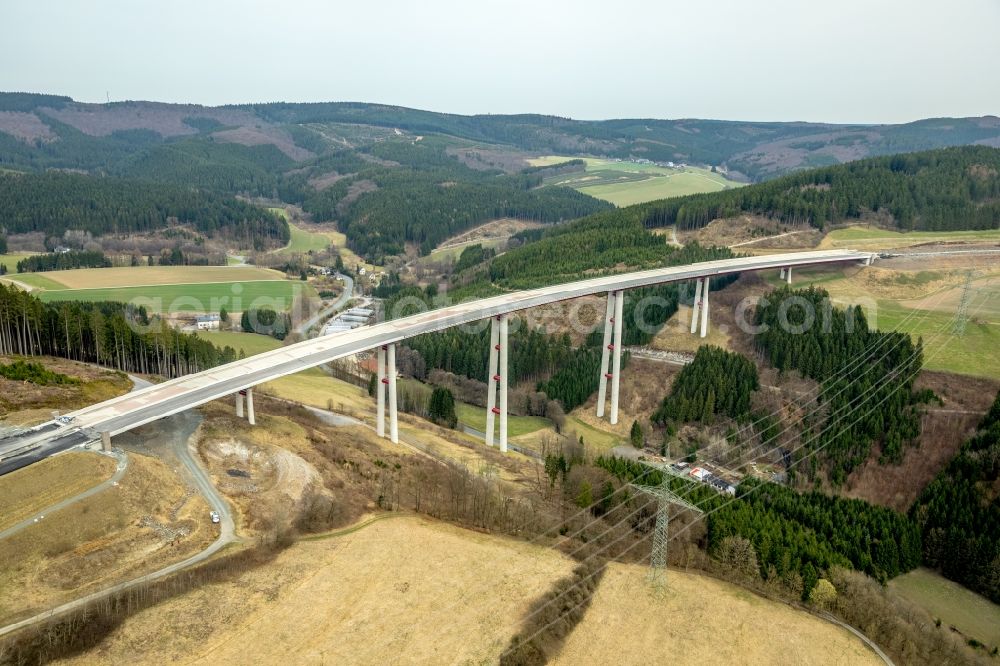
<point>10,260</point>
<point>952,603</point>
<point>195,298</point>
<point>875,238</point>
<point>169,288</point>
<point>626,183</point>
<point>140,276</point>
<point>930,316</point>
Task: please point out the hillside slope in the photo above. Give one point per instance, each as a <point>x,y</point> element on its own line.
<point>49,130</point>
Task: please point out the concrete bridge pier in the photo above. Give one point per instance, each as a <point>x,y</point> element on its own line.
<point>393,420</point>
<point>616,364</point>
<point>609,325</point>
<point>696,305</point>
<point>380,394</point>
<point>788,275</point>
<point>497,381</point>
<point>386,381</point>
<point>105,441</point>
<point>251,418</point>
<point>611,354</point>
<point>239,404</point>
<point>704,308</point>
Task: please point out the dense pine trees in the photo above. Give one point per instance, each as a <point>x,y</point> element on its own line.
<point>866,376</point>
<point>110,334</point>
<point>56,202</point>
<point>418,194</point>
<point>795,534</point>
<point>716,382</point>
<point>959,512</point>
<point>61,261</point>
<point>946,189</point>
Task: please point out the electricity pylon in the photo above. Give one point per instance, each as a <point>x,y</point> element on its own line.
<point>962,316</point>
<point>664,498</point>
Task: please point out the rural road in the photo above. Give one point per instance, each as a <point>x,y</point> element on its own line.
<point>122,459</point>
<point>176,434</point>
<point>345,296</point>
<point>867,641</point>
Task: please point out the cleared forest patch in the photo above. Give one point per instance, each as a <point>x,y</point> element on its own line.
<point>700,620</point>
<point>26,403</point>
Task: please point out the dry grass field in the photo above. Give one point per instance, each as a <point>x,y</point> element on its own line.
<point>700,620</point>
<point>141,276</point>
<point>406,590</point>
<point>30,489</point>
<point>148,520</point>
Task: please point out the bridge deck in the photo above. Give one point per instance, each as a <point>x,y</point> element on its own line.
<point>160,400</point>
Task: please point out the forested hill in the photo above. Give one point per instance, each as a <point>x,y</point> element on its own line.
<point>946,189</point>
<point>55,202</point>
<point>959,512</point>
<point>38,131</point>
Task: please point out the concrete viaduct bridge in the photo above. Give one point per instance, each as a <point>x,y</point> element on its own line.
<point>155,402</point>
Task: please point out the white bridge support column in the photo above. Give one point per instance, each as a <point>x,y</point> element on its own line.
<point>393,420</point>
<point>380,394</point>
<point>704,308</point>
<point>502,370</point>
<point>788,275</point>
<point>781,273</point>
<point>251,418</point>
<point>492,379</point>
<point>239,405</point>
<point>105,441</point>
<point>695,306</point>
<point>616,372</point>
<point>609,324</point>
<point>497,381</point>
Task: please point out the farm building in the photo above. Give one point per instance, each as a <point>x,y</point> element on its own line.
<point>207,322</point>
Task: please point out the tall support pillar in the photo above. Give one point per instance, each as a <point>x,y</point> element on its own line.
<point>251,418</point>
<point>492,379</point>
<point>609,323</point>
<point>695,306</point>
<point>105,441</point>
<point>781,273</point>
<point>393,421</point>
<point>616,372</point>
<point>704,309</point>
<point>502,370</point>
<point>788,275</point>
<point>380,399</point>
<point>239,404</point>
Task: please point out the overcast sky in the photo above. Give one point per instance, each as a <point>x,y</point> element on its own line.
<point>839,61</point>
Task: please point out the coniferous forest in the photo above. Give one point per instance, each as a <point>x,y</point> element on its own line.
<point>795,534</point>
<point>56,202</point>
<point>866,377</point>
<point>937,190</point>
<point>114,335</point>
<point>959,512</point>
<point>716,382</point>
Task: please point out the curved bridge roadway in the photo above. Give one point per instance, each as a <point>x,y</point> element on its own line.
<point>140,407</point>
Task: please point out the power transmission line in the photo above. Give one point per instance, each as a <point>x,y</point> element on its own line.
<point>962,317</point>
<point>664,498</point>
